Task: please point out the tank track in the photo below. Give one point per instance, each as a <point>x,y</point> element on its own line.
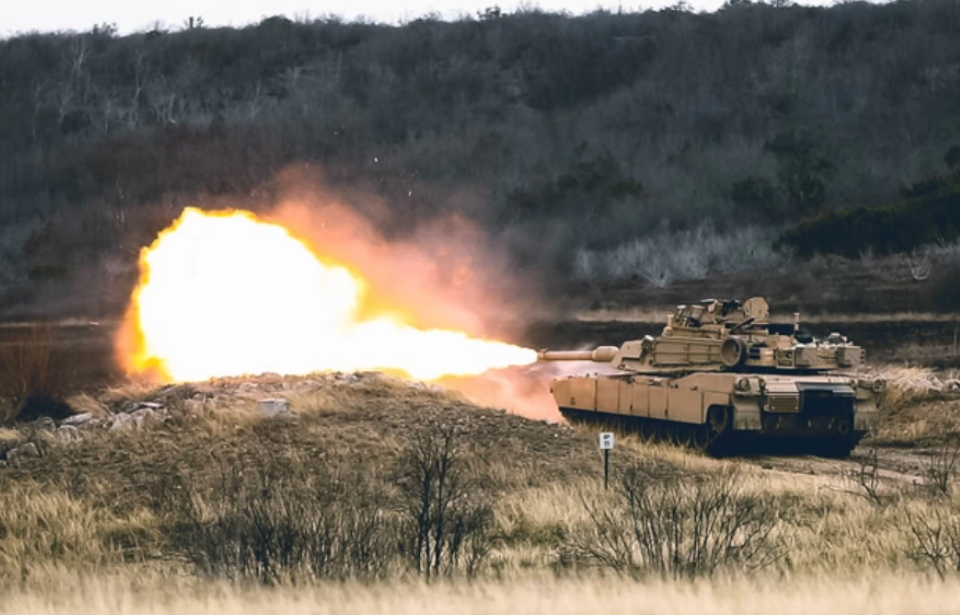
<point>716,437</point>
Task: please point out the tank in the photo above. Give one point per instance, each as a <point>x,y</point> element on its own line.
<point>719,377</point>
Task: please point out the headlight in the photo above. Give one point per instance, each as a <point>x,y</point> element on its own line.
<point>743,384</point>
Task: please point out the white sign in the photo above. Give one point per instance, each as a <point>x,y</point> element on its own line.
<point>606,441</point>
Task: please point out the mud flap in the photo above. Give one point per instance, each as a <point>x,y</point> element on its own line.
<point>746,415</point>
<point>865,420</point>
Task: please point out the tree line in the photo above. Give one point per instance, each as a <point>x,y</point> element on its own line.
<point>583,132</point>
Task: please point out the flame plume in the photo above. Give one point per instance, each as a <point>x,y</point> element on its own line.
<point>225,294</point>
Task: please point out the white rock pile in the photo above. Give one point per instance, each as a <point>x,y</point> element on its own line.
<point>266,392</point>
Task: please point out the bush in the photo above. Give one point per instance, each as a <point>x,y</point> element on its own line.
<point>281,522</point>
<point>666,256</point>
<point>448,519</point>
<point>882,230</point>
<point>292,520</point>
<point>676,528</point>
<point>936,538</point>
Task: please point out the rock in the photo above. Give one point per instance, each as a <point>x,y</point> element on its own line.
<point>91,424</point>
<point>248,386</point>
<point>149,404</point>
<point>167,390</point>
<point>45,422</point>
<point>273,408</point>
<point>24,451</point>
<point>346,377</point>
<point>122,421</point>
<point>68,433</point>
<point>78,419</point>
<point>144,414</point>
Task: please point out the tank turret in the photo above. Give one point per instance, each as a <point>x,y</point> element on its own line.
<point>723,336</point>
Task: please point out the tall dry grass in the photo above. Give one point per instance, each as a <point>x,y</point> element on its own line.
<point>917,406</point>
<point>839,593</point>
<point>46,532</point>
<point>214,494</point>
<point>275,515</point>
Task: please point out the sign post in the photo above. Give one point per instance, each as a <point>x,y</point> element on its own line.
<point>607,441</point>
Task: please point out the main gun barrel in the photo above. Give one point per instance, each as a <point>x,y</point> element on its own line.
<point>603,354</point>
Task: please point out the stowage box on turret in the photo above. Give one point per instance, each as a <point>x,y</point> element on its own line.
<point>718,375</point>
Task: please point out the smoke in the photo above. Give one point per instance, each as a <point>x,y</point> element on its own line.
<point>524,391</point>
<point>443,272</point>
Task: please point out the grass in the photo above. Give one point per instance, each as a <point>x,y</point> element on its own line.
<point>891,595</point>
<point>121,513</point>
<point>918,407</point>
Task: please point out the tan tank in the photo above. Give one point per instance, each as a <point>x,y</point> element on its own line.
<point>719,376</point>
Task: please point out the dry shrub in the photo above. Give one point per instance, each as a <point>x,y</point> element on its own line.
<point>679,528</point>
<point>868,478</point>
<point>936,537</point>
<point>283,521</point>
<point>905,385</point>
<point>941,468</point>
<point>10,436</point>
<point>448,518</point>
<point>667,256</point>
<point>33,378</point>
<point>86,403</point>
<point>287,518</point>
<point>131,391</point>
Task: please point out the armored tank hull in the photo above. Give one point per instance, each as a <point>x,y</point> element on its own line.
<point>720,376</point>
<point>722,412</point>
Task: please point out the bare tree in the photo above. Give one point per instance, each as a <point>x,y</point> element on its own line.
<point>867,477</point>
<point>941,467</point>
<point>449,520</point>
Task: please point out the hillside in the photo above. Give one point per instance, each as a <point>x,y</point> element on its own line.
<point>364,477</point>
<point>560,138</point>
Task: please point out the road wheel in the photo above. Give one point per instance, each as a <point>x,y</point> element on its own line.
<point>683,435</point>
<point>665,431</point>
<point>702,437</point>
<point>837,448</point>
<point>648,430</point>
<point>720,419</point>
<point>719,429</point>
<point>574,417</point>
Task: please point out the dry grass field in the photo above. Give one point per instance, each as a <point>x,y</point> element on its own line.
<point>884,594</point>
<point>374,494</point>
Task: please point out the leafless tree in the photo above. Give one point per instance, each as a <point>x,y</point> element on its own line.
<point>449,519</point>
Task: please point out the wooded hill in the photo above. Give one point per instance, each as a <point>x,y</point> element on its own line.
<point>577,133</point>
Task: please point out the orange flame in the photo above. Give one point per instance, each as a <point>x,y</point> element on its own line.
<point>225,293</point>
